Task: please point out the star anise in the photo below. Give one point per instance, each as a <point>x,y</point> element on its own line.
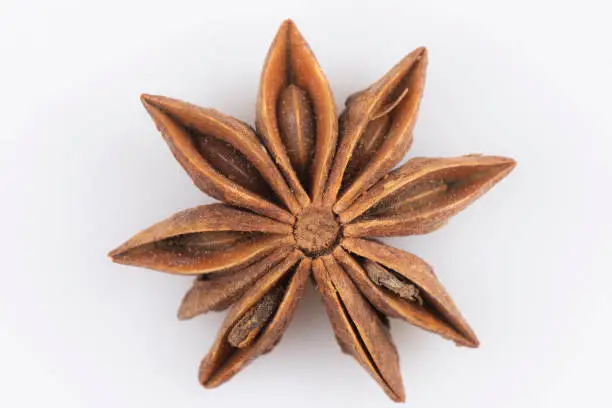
<point>304,196</point>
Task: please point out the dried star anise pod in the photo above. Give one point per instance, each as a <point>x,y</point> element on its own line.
<point>304,196</point>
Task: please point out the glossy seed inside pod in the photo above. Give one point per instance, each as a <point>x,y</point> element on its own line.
<point>297,128</point>
<point>229,162</point>
<point>396,284</point>
<point>249,326</point>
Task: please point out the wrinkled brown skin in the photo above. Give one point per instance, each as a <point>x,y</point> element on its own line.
<point>303,198</point>
<point>358,328</point>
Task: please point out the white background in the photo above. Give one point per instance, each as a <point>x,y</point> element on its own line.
<point>82,168</point>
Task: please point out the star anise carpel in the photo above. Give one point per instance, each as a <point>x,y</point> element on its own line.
<point>305,196</point>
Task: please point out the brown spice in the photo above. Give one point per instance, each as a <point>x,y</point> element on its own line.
<point>307,203</point>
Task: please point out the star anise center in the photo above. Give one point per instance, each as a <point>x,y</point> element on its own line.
<point>316,231</point>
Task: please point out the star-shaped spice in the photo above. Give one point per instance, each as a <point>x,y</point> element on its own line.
<point>305,196</point>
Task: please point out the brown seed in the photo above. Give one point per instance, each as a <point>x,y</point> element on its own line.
<point>297,128</point>
<point>367,146</point>
<point>230,163</point>
<point>206,241</point>
<point>385,278</point>
<point>415,197</point>
<point>249,326</point>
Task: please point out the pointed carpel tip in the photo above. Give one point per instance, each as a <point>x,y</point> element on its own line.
<point>208,385</point>
<point>397,395</point>
<point>116,253</point>
<point>147,100</point>
<point>119,255</point>
<point>500,163</point>
<point>155,106</point>
<point>182,315</point>
<point>202,380</point>
<point>285,26</point>
<point>152,100</point>
<point>205,372</point>
<point>399,398</point>
<point>185,312</point>
<point>469,342</point>
<point>113,254</point>
<point>506,165</point>
<point>510,163</point>
<point>205,379</point>
<point>293,31</point>
<point>116,257</point>
<point>420,54</point>
<point>288,22</point>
